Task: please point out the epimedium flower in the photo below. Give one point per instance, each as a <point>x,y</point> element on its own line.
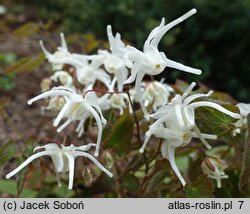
<point>151,61</point>
<point>175,123</point>
<point>244,111</point>
<point>182,108</point>
<point>118,100</point>
<point>89,73</point>
<point>75,108</point>
<point>115,65</point>
<point>214,167</point>
<point>114,61</point>
<point>242,122</point>
<point>64,78</point>
<point>104,104</point>
<point>61,53</point>
<point>157,93</point>
<point>87,68</point>
<point>174,136</point>
<point>63,159</point>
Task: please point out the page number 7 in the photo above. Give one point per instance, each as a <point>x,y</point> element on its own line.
<point>241,203</point>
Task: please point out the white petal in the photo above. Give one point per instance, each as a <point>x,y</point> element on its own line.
<point>147,46</point>
<point>51,93</point>
<point>61,114</point>
<point>188,90</point>
<point>26,162</point>
<point>148,135</point>
<point>71,161</point>
<point>215,106</point>
<point>199,135</point>
<point>189,116</point>
<point>58,179</point>
<point>85,147</point>
<point>179,66</point>
<point>47,54</point>
<point>100,128</point>
<point>96,162</point>
<point>92,100</point>
<point>171,158</point>
<point>58,162</point>
<point>189,99</point>
<point>178,113</point>
<point>132,77</point>
<point>63,126</point>
<point>120,80</point>
<point>49,146</point>
<point>138,83</point>
<point>170,25</point>
<point>63,42</point>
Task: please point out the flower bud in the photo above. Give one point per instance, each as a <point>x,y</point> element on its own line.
<point>214,168</point>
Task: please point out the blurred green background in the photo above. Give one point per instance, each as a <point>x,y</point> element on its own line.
<point>216,39</point>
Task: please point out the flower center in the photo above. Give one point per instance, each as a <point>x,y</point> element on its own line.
<point>158,66</point>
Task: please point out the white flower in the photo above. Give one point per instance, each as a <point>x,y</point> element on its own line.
<point>115,62</point>
<point>115,65</point>
<point>56,103</point>
<point>185,107</point>
<point>87,73</point>
<point>156,92</point>
<point>63,159</point>
<point>64,78</point>
<point>182,109</point>
<point>61,53</point>
<point>244,111</point>
<point>167,128</point>
<point>175,123</point>
<point>118,101</point>
<point>151,61</point>
<point>45,84</point>
<point>103,102</point>
<point>75,108</point>
<point>214,168</point>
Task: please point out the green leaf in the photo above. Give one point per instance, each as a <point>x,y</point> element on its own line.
<point>245,175</point>
<point>29,146</point>
<point>27,29</point>
<point>131,183</point>
<point>210,120</point>
<point>7,58</point>
<point>152,183</point>
<point>9,187</point>
<point>7,152</point>
<point>63,191</point>
<point>21,176</point>
<point>7,82</point>
<point>26,64</point>
<point>201,188</point>
<point>121,135</point>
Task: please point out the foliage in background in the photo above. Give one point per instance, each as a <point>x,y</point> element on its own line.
<point>220,32</point>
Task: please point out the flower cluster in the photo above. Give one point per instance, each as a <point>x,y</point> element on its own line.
<point>175,123</point>
<point>77,98</point>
